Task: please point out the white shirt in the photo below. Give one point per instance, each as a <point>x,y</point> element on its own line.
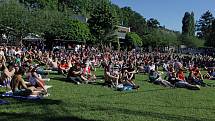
<point>2,53</point>
<point>152,67</point>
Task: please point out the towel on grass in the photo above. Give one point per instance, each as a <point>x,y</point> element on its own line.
<point>2,102</point>
<point>30,97</point>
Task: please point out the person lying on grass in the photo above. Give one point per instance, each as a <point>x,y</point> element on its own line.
<point>155,78</point>
<point>19,87</point>
<point>182,83</point>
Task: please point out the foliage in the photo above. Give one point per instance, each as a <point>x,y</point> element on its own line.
<point>210,42</point>
<point>205,28</point>
<point>40,4</point>
<point>134,20</point>
<point>133,39</point>
<point>204,25</point>
<point>191,41</point>
<point>188,22</point>
<point>103,24</point>
<point>16,17</point>
<point>77,31</point>
<point>51,24</point>
<point>53,20</point>
<point>160,37</point>
<point>153,23</point>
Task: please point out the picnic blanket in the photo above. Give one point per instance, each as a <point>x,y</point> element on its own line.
<point>2,102</point>
<point>30,97</point>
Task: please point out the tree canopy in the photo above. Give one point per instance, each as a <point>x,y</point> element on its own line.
<point>55,19</point>
<point>133,39</point>
<point>103,24</point>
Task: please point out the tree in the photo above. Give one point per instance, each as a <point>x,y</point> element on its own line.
<point>204,25</point>
<point>192,25</point>
<point>77,31</point>
<point>133,39</point>
<point>39,4</point>
<point>210,42</point>
<point>134,20</point>
<point>153,23</point>
<point>188,27</point>
<point>15,16</point>
<point>191,41</point>
<point>103,24</point>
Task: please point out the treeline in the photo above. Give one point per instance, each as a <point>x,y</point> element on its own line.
<point>199,33</point>
<point>56,19</point>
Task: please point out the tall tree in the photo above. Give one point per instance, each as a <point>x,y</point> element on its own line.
<point>210,42</point>
<point>188,24</point>
<point>103,23</point>
<point>204,25</point>
<point>192,24</point>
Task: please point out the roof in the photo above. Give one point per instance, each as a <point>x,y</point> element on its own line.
<point>33,37</point>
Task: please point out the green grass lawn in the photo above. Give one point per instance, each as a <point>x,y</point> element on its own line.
<point>69,102</point>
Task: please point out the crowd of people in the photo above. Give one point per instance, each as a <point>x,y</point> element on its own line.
<point>23,69</point>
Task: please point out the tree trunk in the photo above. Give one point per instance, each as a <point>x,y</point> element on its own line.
<point>102,46</point>
<point>118,45</point>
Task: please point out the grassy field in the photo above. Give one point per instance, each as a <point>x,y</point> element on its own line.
<point>69,102</point>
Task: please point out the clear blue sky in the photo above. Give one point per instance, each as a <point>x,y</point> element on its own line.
<point>168,12</point>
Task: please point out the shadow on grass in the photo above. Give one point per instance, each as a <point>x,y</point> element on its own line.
<point>148,114</point>
<point>7,116</point>
<point>135,91</point>
<point>163,116</point>
<point>25,102</point>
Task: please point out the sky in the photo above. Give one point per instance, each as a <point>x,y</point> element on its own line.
<point>168,12</point>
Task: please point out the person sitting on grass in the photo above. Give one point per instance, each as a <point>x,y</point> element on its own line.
<point>54,64</point>
<point>19,87</point>
<point>74,74</point>
<point>193,79</point>
<point>7,74</point>
<point>130,73</point>
<point>112,75</point>
<point>182,83</point>
<point>210,74</point>
<point>155,78</point>
<point>63,67</point>
<point>86,73</point>
<point>171,74</point>
<point>35,80</point>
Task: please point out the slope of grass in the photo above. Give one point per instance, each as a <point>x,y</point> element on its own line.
<point>71,102</point>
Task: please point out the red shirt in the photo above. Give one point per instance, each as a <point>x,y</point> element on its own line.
<point>65,66</point>
<point>181,75</point>
<point>195,71</point>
